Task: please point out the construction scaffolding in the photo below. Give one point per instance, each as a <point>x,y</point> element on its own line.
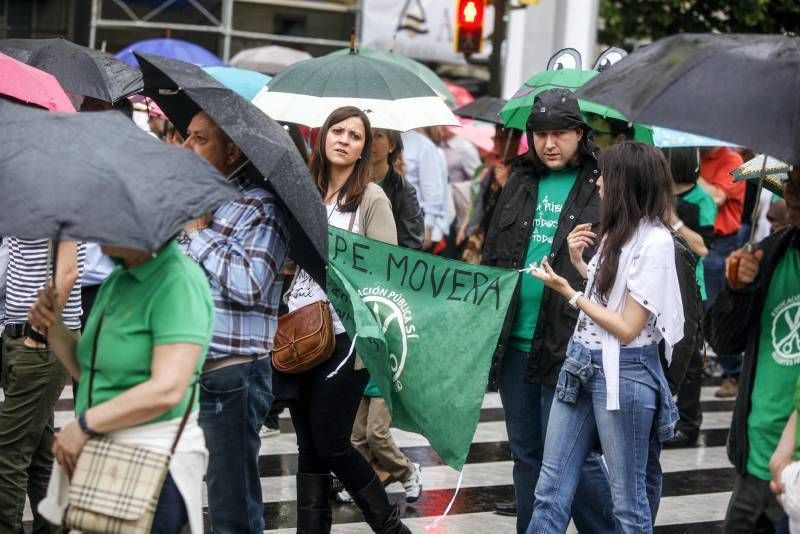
<point>220,23</point>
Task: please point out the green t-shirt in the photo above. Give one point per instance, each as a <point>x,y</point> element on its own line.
<point>165,300</point>
<point>553,191</point>
<point>778,365</point>
<point>707,215</point>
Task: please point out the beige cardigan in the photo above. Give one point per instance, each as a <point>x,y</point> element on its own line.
<point>375,219</point>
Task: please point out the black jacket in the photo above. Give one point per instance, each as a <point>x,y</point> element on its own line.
<point>406,210</point>
<point>507,244</point>
<point>734,325</point>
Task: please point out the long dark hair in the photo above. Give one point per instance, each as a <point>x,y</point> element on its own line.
<point>684,163</point>
<point>637,186</point>
<point>349,198</point>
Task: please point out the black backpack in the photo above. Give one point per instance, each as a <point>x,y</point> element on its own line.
<point>682,352</point>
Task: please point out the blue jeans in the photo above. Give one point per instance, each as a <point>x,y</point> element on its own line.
<point>577,416</point>
<point>233,403</point>
<point>527,410</point>
<point>171,513</point>
<point>714,269</point>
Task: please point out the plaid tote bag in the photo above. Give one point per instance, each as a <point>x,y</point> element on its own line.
<point>115,487</point>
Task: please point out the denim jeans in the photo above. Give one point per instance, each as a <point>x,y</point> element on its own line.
<point>577,416</point>
<point>527,410</point>
<point>233,403</point>
<point>714,269</point>
<point>171,515</point>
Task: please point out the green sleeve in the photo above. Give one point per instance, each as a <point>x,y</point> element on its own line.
<point>182,311</point>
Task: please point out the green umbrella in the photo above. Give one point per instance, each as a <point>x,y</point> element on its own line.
<point>516,111</point>
<point>427,75</point>
<point>393,97</point>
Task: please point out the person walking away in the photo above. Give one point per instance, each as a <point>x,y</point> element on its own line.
<point>241,248</point>
<point>327,396</point>
<point>693,219</point>
<point>759,317</point>
<point>34,386</point>
<point>142,351</point>
<point>715,168</point>
<point>612,384</point>
<point>545,198</point>
<point>426,170</point>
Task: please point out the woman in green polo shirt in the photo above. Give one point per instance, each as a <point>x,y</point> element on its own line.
<point>148,332</point>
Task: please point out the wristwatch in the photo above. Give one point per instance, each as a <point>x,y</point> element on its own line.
<point>85,426</point>
<point>573,302</point>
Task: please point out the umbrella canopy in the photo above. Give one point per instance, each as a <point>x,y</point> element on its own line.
<point>168,47</point>
<point>738,87</point>
<point>669,138</point>
<point>245,82</point>
<point>268,59</point>
<point>461,95</point>
<point>775,173</point>
<point>31,86</point>
<point>182,90</point>
<point>485,108</point>
<point>517,110</point>
<point>79,70</point>
<point>427,75</point>
<point>101,192</point>
<point>394,97</point>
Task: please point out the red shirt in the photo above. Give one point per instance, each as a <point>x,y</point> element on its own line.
<point>716,168</point>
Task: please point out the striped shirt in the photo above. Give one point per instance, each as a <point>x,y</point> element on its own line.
<point>27,274</point>
<point>242,253</point>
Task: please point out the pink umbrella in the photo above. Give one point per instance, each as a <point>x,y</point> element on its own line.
<point>30,85</point>
<point>462,96</point>
<point>480,134</point>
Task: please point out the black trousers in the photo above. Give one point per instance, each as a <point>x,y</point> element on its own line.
<point>323,416</point>
<point>689,407</point>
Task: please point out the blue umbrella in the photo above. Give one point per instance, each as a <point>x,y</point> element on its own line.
<point>243,81</point>
<point>172,48</point>
<point>669,138</point>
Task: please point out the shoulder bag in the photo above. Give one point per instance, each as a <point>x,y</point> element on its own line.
<point>305,337</point>
<point>116,487</point>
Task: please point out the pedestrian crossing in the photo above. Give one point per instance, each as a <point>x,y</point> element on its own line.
<point>697,480</point>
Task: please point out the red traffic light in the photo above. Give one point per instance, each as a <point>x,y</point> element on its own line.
<point>469,26</point>
<point>470,13</point>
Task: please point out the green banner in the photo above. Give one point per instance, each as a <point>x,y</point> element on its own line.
<point>427,328</point>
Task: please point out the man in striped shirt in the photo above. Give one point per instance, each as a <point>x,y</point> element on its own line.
<point>32,376</point>
<point>242,248</point>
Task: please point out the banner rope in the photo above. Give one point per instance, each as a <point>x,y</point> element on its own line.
<point>449,506</point>
<point>352,350</point>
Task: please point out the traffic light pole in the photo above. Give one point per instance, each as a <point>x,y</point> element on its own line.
<point>496,59</point>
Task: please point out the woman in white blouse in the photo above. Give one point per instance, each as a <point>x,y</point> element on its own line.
<point>612,385</point>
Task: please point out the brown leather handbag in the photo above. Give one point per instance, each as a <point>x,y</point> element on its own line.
<point>305,338</point>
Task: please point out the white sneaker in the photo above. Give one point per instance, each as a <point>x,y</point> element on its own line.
<point>413,485</point>
<point>267,432</point>
<point>343,497</point>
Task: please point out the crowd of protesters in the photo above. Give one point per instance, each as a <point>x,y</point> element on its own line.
<point>626,251</point>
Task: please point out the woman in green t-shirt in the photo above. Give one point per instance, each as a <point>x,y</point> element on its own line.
<point>143,347</point>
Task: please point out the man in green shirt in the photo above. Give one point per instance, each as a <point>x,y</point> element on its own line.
<point>761,318</point>
<point>545,197</point>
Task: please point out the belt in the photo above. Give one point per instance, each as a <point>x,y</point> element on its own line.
<point>15,331</point>
<point>221,363</point>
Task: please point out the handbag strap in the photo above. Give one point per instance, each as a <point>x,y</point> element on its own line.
<point>91,384</point>
<point>352,221</point>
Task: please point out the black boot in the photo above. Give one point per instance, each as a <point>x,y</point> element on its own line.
<point>313,504</point>
<point>381,515</point>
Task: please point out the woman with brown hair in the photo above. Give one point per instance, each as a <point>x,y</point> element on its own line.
<point>326,398</point>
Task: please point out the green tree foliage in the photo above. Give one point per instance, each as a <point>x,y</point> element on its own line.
<point>626,22</point>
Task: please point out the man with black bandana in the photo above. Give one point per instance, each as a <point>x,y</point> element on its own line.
<point>544,199</point>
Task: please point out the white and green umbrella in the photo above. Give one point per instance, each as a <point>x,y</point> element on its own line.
<point>773,172</point>
<point>392,96</point>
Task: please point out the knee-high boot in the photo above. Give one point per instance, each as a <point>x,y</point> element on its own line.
<point>381,515</point>
<point>313,504</point>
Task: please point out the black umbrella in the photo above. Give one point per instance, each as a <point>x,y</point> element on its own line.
<point>182,89</point>
<point>485,108</point>
<point>98,177</point>
<point>79,70</point>
<point>742,88</point>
